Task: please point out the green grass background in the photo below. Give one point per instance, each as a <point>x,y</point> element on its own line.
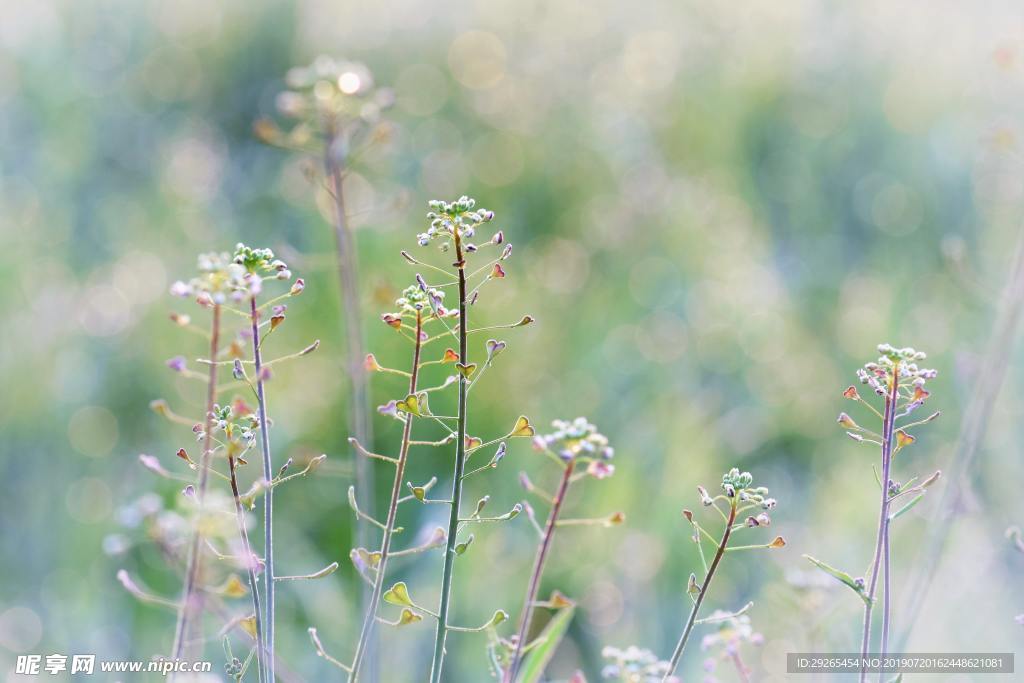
<point>717,210</point>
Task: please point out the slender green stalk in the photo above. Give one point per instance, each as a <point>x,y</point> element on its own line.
<point>250,567</point>
<point>678,653</point>
<point>538,568</point>
<point>360,425</point>
<point>396,490</point>
<point>268,494</point>
<point>459,469</point>
<point>191,604</point>
<point>881,555</point>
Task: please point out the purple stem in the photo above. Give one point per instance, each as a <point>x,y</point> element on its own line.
<point>191,603</point>
<point>538,568</point>
<point>888,425</point>
<point>437,664</point>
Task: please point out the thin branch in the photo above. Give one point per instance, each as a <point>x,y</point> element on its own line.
<point>457,480</point>
<point>533,586</point>
<point>250,562</point>
<point>268,496</point>
<point>191,601</point>
<point>396,490</point>
<point>677,654</point>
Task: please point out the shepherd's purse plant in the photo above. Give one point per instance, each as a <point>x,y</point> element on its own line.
<point>900,382</point>
<point>335,112</point>
<point>229,431</point>
<point>579,451</point>
<point>738,497</point>
<point>424,320</point>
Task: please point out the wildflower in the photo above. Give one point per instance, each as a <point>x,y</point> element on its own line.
<point>577,439</point>
<point>451,220</point>
<point>634,665</point>
<point>724,644</point>
<point>897,377</point>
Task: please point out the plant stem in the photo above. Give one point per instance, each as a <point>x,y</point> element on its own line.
<point>888,425</point>
<point>460,463</point>
<point>389,525</point>
<point>351,309</point>
<point>741,668</point>
<point>359,419</point>
<point>191,601</point>
<point>268,494</point>
<point>250,566</point>
<point>973,427</point>
<point>886,593</point>
<point>538,568</point>
<point>719,553</point>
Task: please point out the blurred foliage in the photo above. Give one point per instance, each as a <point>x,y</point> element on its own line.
<point>718,213</point>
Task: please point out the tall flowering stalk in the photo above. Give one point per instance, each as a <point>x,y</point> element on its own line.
<point>423,319</point>
<point>227,431</point>
<point>210,289</point>
<point>336,114</point>
<point>257,263</point>
<point>738,497</point>
<point>579,450</point>
<point>898,380</point>
<point>453,225</point>
<point>238,438</point>
<point>413,303</point>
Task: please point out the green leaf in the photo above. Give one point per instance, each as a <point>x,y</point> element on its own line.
<point>536,660</point>
<point>914,501</point>
<point>842,576</point>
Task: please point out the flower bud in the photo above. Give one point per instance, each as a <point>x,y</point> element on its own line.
<point>705,499</point>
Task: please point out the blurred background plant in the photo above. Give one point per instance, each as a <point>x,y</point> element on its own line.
<point>725,643</point>
<point>716,211</point>
<point>335,116</point>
